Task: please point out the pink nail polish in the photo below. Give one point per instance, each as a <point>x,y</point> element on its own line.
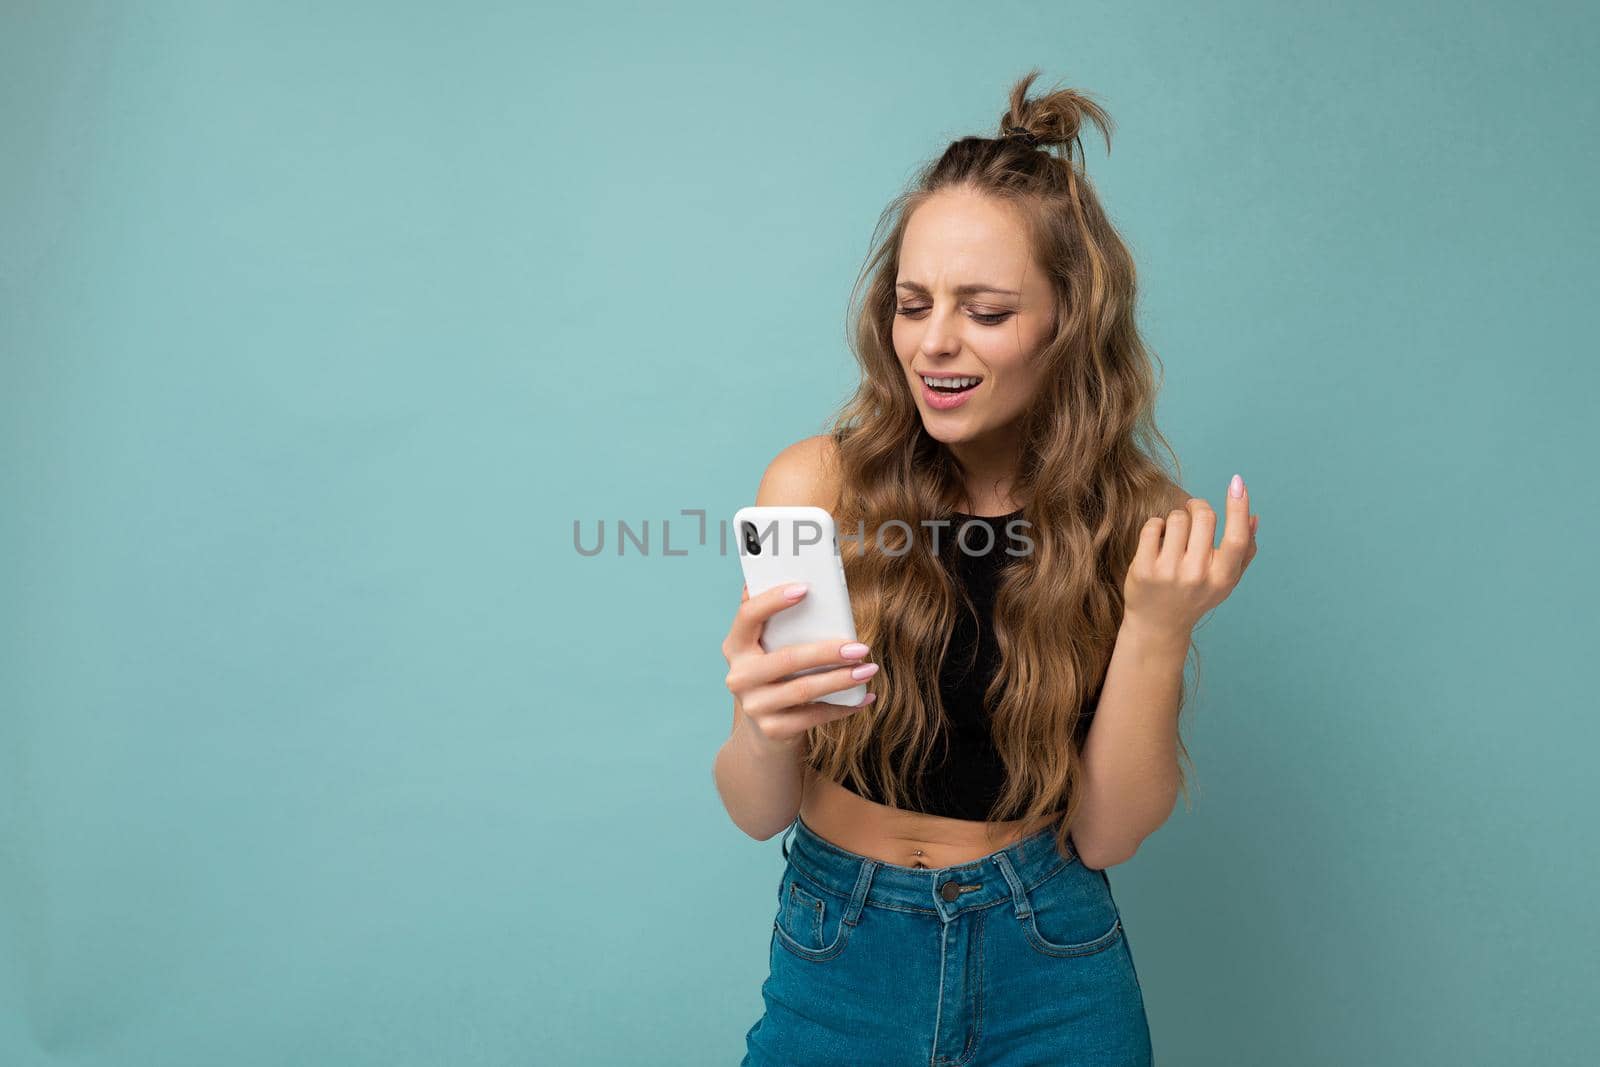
<point>795,592</point>
<point>865,671</point>
<point>1236,487</point>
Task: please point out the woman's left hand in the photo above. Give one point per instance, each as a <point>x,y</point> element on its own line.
<point>1176,575</point>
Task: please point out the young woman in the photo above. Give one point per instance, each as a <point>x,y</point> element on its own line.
<point>1023,629</point>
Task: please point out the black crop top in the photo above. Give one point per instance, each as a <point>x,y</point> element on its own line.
<point>971,776</point>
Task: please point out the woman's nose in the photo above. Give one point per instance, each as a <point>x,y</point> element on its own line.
<point>939,335</point>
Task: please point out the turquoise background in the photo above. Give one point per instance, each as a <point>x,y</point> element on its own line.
<point>321,325</point>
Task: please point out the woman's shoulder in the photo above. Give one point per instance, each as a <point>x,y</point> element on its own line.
<point>804,473</point>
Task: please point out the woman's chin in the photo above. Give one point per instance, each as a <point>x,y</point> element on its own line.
<point>946,428</point>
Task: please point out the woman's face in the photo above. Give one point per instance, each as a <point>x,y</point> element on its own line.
<point>971,303</point>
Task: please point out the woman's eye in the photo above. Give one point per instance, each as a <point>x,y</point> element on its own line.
<point>982,318</point>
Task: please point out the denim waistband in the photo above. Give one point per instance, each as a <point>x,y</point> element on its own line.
<point>1006,874</point>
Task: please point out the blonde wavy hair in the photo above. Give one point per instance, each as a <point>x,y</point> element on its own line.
<point>1086,476</point>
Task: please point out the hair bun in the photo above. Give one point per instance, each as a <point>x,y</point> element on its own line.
<point>1055,117</point>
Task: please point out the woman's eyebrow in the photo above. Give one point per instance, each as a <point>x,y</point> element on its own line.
<point>961,290</point>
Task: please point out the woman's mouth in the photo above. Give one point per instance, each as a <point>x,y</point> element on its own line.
<point>944,393</point>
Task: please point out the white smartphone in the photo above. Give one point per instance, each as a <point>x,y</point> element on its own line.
<point>780,545</point>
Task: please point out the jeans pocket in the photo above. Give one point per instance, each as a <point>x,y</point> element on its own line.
<point>810,922</point>
<point>1072,913</point>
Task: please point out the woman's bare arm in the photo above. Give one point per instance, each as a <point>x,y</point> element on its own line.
<point>760,777</point>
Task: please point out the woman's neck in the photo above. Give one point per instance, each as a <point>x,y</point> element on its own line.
<point>989,469</point>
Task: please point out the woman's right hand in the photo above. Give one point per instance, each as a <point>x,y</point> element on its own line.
<point>780,712</point>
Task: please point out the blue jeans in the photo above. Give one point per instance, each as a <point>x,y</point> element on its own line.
<point>1016,958</point>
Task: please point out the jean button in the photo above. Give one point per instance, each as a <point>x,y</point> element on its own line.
<point>949,891</point>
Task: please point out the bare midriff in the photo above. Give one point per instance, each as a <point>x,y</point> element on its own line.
<point>903,838</point>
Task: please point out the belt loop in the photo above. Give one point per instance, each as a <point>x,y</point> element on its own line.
<point>788,832</point>
<point>1019,895</point>
<point>858,899</point>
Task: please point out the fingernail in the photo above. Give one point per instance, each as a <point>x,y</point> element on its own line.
<point>870,698</point>
<point>1236,487</point>
<point>795,592</point>
<point>853,651</point>
<point>865,671</point>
